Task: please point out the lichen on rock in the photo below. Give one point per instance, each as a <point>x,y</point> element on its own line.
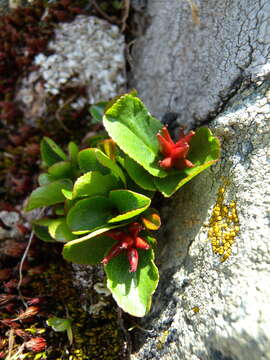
<point>89,53</point>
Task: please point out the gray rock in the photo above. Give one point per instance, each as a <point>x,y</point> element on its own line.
<point>209,307</point>
<point>191,68</point>
<point>205,308</point>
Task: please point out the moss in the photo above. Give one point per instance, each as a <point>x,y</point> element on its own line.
<point>223,225</point>
<point>94,337</point>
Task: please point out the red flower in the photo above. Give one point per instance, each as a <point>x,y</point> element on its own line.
<point>175,153</point>
<point>129,241</point>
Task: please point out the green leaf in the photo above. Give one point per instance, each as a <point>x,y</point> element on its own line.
<point>42,233</point>
<point>95,160</point>
<point>49,194</point>
<point>204,152</point>
<point>133,291</point>
<point>130,125</point>
<point>59,210</point>
<point>89,252</point>
<point>128,203</point>
<point>95,140</point>
<point>97,111</point>
<point>51,153</point>
<point>59,324</point>
<point>139,175</point>
<point>59,230</point>
<point>204,147</point>
<point>93,183</point>
<point>100,231</point>
<point>67,194</point>
<point>107,162</point>
<point>73,151</point>
<point>40,228</point>
<point>131,185</point>
<point>88,162</point>
<point>61,170</point>
<point>89,214</point>
<point>45,179</point>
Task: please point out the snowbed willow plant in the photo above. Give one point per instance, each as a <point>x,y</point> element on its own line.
<point>100,197</point>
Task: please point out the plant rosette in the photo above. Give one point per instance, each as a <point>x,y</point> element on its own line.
<point>100,197</point>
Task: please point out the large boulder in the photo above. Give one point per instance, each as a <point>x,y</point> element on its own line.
<point>213,297</point>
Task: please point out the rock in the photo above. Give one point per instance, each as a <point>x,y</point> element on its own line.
<point>88,52</point>
<point>192,69</point>
<point>208,306</point>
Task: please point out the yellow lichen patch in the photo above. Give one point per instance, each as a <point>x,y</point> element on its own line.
<point>195,309</point>
<point>223,226</point>
<point>162,339</point>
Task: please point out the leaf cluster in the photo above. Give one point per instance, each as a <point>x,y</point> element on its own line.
<point>94,192</point>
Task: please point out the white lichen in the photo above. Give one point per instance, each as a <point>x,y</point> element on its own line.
<point>87,52</point>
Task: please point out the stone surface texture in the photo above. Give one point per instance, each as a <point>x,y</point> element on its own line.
<point>88,52</point>
<point>192,68</point>
<point>215,73</point>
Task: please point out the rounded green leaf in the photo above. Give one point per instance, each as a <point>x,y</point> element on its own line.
<point>133,291</point>
<point>88,162</point>
<point>89,252</point>
<point>139,175</point>
<point>204,147</point>
<point>97,111</point>
<point>42,232</point>
<point>89,214</point>
<point>61,170</point>
<point>59,324</point>
<point>49,194</point>
<point>41,229</point>
<point>45,179</point>
<point>128,203</point>
<point>110,164</point>
<point>67,194</point>
<point>59,230</point>
<point>94,183</point>
<point>134,130</point>
<point>51,153</point>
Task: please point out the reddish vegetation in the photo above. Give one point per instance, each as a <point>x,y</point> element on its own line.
<point>24,33</point>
